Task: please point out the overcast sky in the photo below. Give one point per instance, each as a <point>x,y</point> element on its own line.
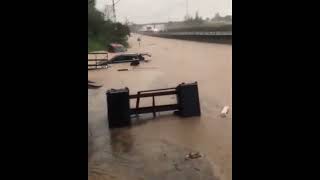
<point>146,11</point>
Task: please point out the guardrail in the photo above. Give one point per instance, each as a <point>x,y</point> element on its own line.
<point>215,33</point>
<point>224,37</point>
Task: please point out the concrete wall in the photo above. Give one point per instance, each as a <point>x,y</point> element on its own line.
<point>225,39</point>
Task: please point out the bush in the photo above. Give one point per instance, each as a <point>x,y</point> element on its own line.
<point>101,32</point>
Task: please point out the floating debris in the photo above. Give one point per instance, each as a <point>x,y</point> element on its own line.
<point>225,111</point>
<point>134,63</point>
<point>91,85</point>
<point>193,155</point>
<point>176,167</point>
<point>146,68</point>
<point>123,69</point>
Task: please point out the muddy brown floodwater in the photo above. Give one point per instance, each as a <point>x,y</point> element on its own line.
<point>155,148</point>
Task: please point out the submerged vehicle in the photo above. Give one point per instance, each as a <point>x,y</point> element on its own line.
<point>127,57</point>
<point>116,53</point>
<point>116,48</point>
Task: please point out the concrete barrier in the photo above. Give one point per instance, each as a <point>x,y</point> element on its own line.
<point>214,37</point>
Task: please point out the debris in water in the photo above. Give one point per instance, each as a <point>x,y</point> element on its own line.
<point>145,68</point>
<point>134,63</point>
<point>225,111</point>
<point>193,155</point>
<point>187,106</point>
<point>123,69</point>
<point>91,85</point>
<point>176,167</point>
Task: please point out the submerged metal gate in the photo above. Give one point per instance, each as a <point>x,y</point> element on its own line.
<point>119,110</point>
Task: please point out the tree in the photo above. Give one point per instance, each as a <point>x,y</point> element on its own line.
<point>198,19</point>
<point>91,2</point>
<point>187,17</point>
<point>197,16</point>
<point>101,32</point>
<point>193,21</point>
<point>228,18</point>
<point>217,17</point>
<point>126,21</point>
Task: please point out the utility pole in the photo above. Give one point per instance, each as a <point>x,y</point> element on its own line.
<point>187,9</point>
<point>114,11</point>
<point>106,13</point>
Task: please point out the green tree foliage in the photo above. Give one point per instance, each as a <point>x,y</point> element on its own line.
<point>217,17</point>
<point>228,18</point>
<point>194,21</point>
<point>103,32</point>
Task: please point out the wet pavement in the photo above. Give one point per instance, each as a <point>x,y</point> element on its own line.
<point>156,148</point>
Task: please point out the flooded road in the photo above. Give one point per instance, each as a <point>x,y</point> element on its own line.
<point>156,148</point>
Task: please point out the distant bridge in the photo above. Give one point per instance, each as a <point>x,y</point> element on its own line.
<point>156,23</point>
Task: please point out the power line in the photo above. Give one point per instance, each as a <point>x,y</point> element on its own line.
<point>114,9</point>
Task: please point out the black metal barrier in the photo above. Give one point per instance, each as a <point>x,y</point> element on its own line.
<point>97,61</point>
<point>119,110</point>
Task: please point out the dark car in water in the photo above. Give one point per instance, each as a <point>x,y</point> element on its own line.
<point>126,57</point>
<point>117,53</point>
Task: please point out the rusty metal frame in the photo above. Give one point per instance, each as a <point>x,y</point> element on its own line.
<point>153,109</point>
